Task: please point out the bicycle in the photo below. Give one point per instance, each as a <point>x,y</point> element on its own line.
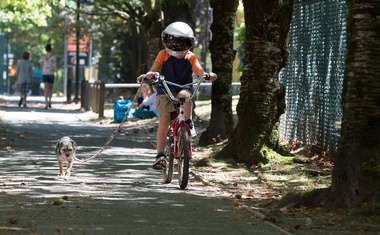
<point>178,140</point>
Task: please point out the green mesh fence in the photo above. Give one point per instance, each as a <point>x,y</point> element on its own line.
<point>314,74</point>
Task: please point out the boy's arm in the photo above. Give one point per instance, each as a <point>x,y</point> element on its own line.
<point>201,73</point>
<point>155,68</point>
<point>157,64</point>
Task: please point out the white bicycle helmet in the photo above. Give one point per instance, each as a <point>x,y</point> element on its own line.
<point>177,38</point>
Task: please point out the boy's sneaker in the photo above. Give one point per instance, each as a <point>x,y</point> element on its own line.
<point>160,161</point>
<point>190,123</point>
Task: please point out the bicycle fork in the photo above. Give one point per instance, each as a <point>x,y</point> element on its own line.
<point>177,125</point>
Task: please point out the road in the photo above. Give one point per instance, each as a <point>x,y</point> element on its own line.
<point>116,193</point>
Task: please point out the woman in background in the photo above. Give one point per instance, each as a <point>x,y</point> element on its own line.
<point>48,68</point>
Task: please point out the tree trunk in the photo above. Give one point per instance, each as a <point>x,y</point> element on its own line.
<point>222,56</point>
<point>151,30</point>
<point>356,175</point>
<point>178,10</point>
<point>261,96</point>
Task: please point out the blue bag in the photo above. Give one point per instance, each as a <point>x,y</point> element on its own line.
<point>120,108</point>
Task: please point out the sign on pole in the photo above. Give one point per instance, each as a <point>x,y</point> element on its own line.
<point>84,50</point>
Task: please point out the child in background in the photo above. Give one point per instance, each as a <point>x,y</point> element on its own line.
<point>145,91</point>
<point>24,77</point>
<point>147,108</point>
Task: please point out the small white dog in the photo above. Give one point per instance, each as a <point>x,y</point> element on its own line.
<point>65,151</point>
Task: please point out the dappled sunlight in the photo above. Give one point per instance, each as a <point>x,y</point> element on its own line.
<point>116,189</point>
<point>118,173</point>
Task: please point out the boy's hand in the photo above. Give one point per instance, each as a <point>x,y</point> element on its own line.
<point>213,76</point>
<point>149,75</point>
<point>146,76</point>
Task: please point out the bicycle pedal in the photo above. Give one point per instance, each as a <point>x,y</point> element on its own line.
<point>158,167</point>
<point>160,164</point>
<point>163,163</point>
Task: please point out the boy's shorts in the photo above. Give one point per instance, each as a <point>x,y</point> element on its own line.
<point>164,105</point>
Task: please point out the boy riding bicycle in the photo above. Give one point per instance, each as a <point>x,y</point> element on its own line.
<point>177,63</point>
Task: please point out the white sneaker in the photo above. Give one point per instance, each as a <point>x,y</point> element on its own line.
<point>190,123</point>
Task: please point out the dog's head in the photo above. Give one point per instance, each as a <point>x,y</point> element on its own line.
<point>65,147</point>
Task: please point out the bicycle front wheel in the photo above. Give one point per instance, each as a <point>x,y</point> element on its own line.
<point>167,171</point>
<point>183,158</point>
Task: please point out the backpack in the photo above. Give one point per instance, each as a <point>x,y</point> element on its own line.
<point>120,108</point>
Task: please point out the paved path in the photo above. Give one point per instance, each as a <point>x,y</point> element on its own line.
<point>116,193</point>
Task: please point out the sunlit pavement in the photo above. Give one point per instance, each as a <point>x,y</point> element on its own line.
<point>116,193</point>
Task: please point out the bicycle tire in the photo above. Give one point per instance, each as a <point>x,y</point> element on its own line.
<point>167,171</point>
<point>183,158</point>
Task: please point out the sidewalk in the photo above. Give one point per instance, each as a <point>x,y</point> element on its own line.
<point>39,102</point>
<point>116,193</point>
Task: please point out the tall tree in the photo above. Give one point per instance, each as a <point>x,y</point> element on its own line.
<point>177,10</point>
<point>24,13</point>
<point>222,56</point>
<point>356,175</point>
<point>261,96</point>
<point>30,25</point>
<point>133,26</point>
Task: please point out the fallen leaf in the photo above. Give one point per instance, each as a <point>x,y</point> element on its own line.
<point>237,203</point>
<point>57,202</point>
<point>12,221</point>
<point>9,149</point>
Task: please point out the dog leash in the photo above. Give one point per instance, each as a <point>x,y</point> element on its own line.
<point>114,133</point>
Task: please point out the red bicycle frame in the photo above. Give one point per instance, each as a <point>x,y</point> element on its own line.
<point>175,126</point>
<point>179,122</point>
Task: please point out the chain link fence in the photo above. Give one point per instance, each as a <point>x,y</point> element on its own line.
<point>314,74</point>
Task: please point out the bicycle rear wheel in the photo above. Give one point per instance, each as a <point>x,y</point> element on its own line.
<point>183,158</point>
<point>167,171</point>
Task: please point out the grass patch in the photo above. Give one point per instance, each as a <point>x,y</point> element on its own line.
<point>295,174</point>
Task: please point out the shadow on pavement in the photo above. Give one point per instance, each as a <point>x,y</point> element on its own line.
<point>116,193</point>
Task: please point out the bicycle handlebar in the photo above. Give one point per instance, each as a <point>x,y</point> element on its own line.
<point>160,79</point>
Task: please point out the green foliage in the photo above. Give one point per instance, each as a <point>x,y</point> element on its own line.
<point>112,24</point>
<point>24,13</point>
<point>371,170</point>
<point>240,37</point>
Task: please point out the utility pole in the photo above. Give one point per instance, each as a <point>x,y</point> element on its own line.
<point>2,54</point>
<point>76,98</point>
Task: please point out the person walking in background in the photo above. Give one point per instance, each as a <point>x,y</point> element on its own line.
<point>48,68</point>
<point>24,77</point>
